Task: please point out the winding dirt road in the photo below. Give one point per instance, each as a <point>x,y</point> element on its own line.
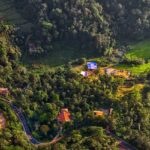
<point>26,129</point>
<point>123,145</point>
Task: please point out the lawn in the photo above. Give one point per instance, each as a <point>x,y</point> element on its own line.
<point>141,49</point>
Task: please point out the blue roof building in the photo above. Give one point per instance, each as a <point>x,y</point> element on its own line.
<point>92,65</point>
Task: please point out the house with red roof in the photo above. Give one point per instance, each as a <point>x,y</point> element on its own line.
<point>4,91</point>
<point>64,116</point>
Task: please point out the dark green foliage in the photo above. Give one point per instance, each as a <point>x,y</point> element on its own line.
<point>81,139</point>
<point>41,96</point>
<point>9,54</point>
<point>82,21</point>
<point>133,60</point>
<point>129,19</point>
<point>94,24</point>
<point>12,137</point>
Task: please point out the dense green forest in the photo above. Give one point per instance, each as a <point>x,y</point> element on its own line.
<point>95,24</point>
<point>102,31</point>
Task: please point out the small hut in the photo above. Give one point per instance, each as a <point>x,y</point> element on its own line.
<point>84,73</point>
<point>4,91</point>
<point>98,113</point>
<point>102,112</point>
<point>64,116</point>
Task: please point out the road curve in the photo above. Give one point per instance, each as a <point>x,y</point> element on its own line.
<point>123,145</point>
<point>26,129</point>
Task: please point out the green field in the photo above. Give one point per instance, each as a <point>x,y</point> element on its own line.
<point>136,70</point>
<point>141,49</point>
<point>10,14</point>
<point>61,54</point>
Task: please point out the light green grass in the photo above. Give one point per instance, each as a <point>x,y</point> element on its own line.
<point>136,70</point>
<point>141,49</point>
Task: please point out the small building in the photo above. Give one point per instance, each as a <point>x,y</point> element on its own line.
<point>98,113</point>
<point>119,73</point>
<point>102,112</point>
<point>64,116</point>
<point>2,121</point>
<point>109,71</point>
<point>84,73</point>
<point>92,65</point>
<point>4,91</point>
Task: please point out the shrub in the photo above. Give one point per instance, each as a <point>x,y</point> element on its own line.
<point>133,60</point>
<point>79,61</point>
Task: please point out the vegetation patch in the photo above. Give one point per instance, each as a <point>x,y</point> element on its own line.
<point>87,94</point>
<point>136,70</point>
<point>123,90</point>
<point>141,49</point>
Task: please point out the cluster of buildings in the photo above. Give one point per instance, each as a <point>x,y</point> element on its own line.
<point>65,116</point>
<point>120,73</point>
<point>105,71</point>
<point>90,66</point>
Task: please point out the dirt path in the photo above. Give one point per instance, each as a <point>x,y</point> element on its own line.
<point>123,145</point>
<point>26,129</point>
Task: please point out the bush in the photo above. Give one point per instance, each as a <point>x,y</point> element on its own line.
<point>133,60</point>
<point>79,61</point>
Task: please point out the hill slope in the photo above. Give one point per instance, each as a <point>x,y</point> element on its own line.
<point>10,14</point>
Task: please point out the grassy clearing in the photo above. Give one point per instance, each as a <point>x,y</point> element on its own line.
<point>141,49</point>
<point>61,54</point>
<point>9,14</point>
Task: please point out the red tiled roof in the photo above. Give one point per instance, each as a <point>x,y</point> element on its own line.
<point>99,113</point>
<point>4,90</point>
<point>64,116</point>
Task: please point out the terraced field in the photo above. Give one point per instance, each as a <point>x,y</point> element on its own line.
<point>10,14</point>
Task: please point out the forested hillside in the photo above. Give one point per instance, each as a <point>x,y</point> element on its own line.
<point>94,24</point>
<point>54,99</point>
